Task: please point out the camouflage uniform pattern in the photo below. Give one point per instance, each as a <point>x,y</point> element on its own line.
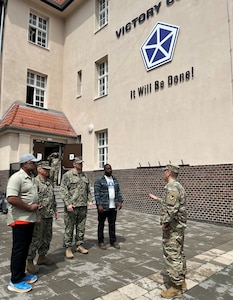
<point>42,234</point>
<point>75,190</point>
<point>75,220</point>
<point>173,213</point>
<point>54,171</point>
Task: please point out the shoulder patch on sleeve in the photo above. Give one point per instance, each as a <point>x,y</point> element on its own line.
<point>171,197</point>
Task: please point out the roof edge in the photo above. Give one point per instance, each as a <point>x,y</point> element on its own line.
<point>6,124</point>
<point>60,7</point>
<point>9,128</point>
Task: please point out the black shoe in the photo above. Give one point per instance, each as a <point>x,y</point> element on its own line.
<point>102,246</point>
<point>116,245</point>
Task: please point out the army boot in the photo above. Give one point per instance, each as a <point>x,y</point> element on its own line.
<point>31,268</point>
<point>43,260</point>
<point>173,291</point>
<point>69,253</point>
<point>183,286</point>
<point>81,249</point>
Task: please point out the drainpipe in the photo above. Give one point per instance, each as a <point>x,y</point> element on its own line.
<point>230,43</point>
<point>3,4</point>
<point>3,8</point>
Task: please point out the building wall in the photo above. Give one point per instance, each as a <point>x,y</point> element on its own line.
<point>189,121</point>
<point>208,188</point>
<point>186,122</point>
<point>19,55</point>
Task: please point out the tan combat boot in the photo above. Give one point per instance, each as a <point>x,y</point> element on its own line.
<point>69,253</point>
<point>81,249</point>
<point>31,268</point>
<point>173,291</point>
<point>43,260</point>
<point>183,286</point>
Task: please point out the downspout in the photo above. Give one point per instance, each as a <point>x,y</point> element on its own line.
<point>231,62</point>
<point>3,4</point>
<point>3,8</point>
<point>1,24</point>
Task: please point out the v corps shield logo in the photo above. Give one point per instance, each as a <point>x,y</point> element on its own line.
<point>158,49</point>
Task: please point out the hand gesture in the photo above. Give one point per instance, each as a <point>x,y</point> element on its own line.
<point>153,197</point>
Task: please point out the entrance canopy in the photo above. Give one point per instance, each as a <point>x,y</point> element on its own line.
<point>23,117</point>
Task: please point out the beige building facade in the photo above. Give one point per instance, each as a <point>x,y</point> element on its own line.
<point>180,111</point>
<point>141,83</point>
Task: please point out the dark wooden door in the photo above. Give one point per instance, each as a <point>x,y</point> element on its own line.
<point>69,152</point>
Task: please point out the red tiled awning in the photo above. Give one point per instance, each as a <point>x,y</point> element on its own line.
<point>22,117</point>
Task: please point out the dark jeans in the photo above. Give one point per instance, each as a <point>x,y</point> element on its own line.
<point>111,215</point>
<point>22,237</point>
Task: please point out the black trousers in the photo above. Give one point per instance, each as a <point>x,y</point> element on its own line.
<point>22,237</point>
<point>111,215</point>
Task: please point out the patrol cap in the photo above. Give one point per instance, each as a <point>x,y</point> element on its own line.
<point>172,168</point>
<point>44,164</point>
<point>27,157</point>
<point>78,160</point>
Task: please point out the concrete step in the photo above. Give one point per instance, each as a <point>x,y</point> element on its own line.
<point>60,203</point>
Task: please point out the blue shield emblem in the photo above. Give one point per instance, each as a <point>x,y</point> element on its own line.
<point>159,46</point>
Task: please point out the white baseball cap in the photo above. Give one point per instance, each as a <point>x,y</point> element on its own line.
<point>28,157</point>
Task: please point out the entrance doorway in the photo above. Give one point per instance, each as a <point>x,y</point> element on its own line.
<point>66,154</point>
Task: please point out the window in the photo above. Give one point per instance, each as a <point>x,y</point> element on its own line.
<point>79,84</point>
<point>38,28</point>
<point>102,138</point>
<point>102,68</point>
<point>103,12</point>
<point>36,85</point>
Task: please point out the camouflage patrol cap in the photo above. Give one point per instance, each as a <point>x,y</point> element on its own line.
<point>44,164</point>
<point>77,160</point>
<point>172,168</point>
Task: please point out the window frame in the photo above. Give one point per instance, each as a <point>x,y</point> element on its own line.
<point>102,136</point>
<point>36,89</point>
<point>102,13</point>
<point>102,74</point>
<point>35,27</point>
<point>79,84</point>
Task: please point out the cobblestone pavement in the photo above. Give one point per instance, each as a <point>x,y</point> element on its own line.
<point>135,271</point>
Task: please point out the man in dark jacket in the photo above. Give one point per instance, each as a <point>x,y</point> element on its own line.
<point>108,199</point>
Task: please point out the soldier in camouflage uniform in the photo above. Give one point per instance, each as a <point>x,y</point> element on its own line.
<point>76,194</point>
<point>55,163</point>
<point>42,234</point>
<point>173,220</point>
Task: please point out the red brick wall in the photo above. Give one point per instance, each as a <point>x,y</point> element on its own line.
<point>209,190</point>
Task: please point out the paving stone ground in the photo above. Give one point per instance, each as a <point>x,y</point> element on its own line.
<point>136,271</point>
